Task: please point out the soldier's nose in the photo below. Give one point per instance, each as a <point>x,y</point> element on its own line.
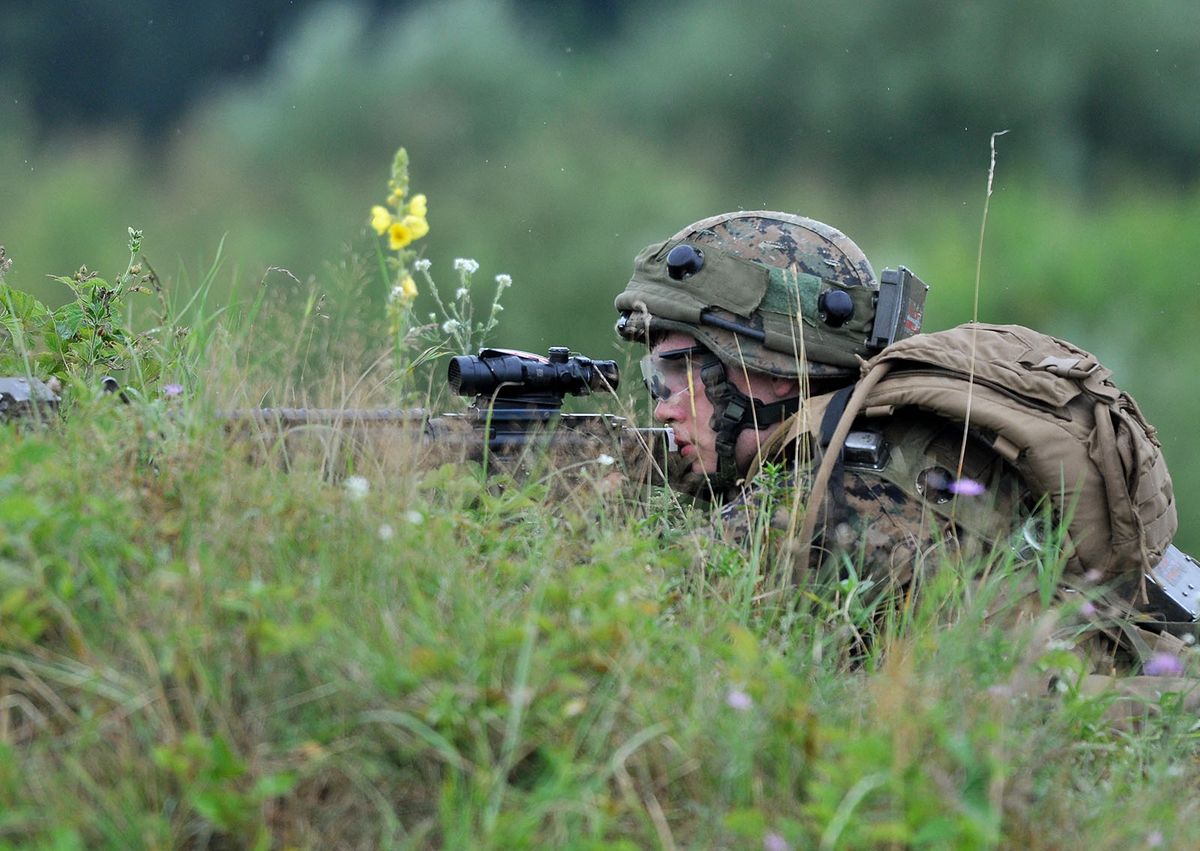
<point>667,410</point>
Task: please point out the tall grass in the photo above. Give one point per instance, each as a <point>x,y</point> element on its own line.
<point>202,650</point>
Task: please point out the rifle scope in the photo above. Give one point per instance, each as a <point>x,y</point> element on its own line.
<point>513,374</point>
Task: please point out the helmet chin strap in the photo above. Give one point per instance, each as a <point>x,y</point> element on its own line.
<point>733,413</point>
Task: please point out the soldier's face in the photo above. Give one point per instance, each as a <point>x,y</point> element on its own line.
<point>684,406</point>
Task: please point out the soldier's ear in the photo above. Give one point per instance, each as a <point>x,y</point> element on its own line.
<point>785,388</point>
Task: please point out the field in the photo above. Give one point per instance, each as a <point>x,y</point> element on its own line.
<point>203,647</point>
<point>214,638</point>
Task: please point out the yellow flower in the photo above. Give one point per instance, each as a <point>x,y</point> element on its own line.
<point>399,236</point>
<point>417,226</point>
<point>418,206</point>
<point>395,198</point>
<point>381,219</point>
<point>408,289</point>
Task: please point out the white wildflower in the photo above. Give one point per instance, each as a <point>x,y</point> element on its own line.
<point>414,517</point>
<point>386,532</point>
<point>396,293</point>
<point>465,264</point>
<point>422,264</point>
<point>357,487</point>
<point>606,460</point>
<point>738,700</point>
<point>504,281</point>
<point>461,292</point>
<point>450,326</point>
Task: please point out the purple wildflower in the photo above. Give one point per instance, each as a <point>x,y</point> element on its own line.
<point>1093,576</point>
<point>772,841</point>
<point>1087,609</point>
<point>172,389</point>
<point>1163,665</point>
<point>966,487</point>
<point>739,700</point>
<point>1154,839</point>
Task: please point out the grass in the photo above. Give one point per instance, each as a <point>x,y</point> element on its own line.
<point>202,650</point>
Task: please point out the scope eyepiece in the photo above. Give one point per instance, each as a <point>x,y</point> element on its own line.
<point>515,375</point>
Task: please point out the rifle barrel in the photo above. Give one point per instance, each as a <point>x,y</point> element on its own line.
<point>342,417</point>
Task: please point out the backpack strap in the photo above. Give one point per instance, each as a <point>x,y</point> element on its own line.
<point>831,458</point>
<point>838,510</point>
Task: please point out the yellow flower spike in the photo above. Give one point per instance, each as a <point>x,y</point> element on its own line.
<point>381,219</point>
<point>399,236</point>
<point>408,289</point>
<point>418,206</point>
<point>417,226</point>
<point>396,199</point>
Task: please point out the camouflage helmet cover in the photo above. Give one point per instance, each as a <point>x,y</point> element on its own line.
<point>761,272</point>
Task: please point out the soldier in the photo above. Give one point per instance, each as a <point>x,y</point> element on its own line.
<point>757,326</point>
<point>745,314</point>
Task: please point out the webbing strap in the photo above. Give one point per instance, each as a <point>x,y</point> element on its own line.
<point>839,510</point>
<point>774,412</point>
<point>723,423</point>
<point>833,413</point>
<point>832,456</point>
<point>733,413</point>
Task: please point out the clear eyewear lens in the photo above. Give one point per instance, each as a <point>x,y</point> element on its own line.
<point>669,374</point>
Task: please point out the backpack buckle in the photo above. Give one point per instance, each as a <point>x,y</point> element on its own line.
<point>1076,368</point>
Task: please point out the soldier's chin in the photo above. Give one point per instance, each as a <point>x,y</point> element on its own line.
<point>699,467</point>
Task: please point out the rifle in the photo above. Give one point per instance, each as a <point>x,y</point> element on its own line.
<point>514,421</point>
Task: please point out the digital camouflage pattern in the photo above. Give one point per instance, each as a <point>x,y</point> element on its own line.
<point>888,523</point>
<point>891,525</point>
<point>757,302</point>
<point>786,263</point>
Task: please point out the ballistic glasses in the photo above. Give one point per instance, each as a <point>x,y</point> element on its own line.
<point>671,372</point>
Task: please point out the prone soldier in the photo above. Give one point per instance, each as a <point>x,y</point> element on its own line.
<point>772,343</point>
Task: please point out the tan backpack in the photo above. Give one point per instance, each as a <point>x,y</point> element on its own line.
<point>1051,410</point>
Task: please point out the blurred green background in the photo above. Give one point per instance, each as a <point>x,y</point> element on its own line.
<point>556,139</point>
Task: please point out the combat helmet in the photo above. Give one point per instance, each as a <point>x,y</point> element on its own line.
<point>772,292</point>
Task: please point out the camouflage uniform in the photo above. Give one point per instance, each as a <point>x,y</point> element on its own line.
<point>893,511</point>
<point>893,521</point>
<point>788,297</point>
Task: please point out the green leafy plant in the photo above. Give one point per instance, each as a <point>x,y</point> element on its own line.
<point>90,335</point>
<point>216,783</point>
